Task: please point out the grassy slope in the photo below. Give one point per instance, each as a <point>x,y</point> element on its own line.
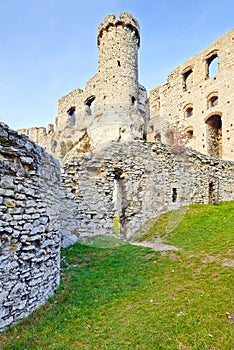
<point>130,297</point>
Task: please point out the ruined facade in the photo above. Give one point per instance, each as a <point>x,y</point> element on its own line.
<point>135,181</point>
<point>197,100</point>
<point>112,107</point>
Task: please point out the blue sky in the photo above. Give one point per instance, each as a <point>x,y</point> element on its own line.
<point>48,47</point>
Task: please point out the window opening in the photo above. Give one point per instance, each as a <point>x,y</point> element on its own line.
<point>72,114</point>
<point>214,136</point>
<point>187,79</point>
<point>89,105</point>
<point>212,66</point>
<point>213,192</point>
<point>213,101</point>
<point>174,195</point>
<point>119,199</point>
<point>119,64</point>
<point>133,100</point>
<point>189,133</point>
<point>189,112</point>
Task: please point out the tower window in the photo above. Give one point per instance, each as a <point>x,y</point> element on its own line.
<point>119,64</point>
<point>133,100</point>
<point>174,195</point>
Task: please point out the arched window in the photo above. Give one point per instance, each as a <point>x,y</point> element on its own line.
<point>212,99</point>
<point>188,110</point>
<point>89,105</point>
<point>189,132</point>
<point>187,79</point>
<point>212,63</point>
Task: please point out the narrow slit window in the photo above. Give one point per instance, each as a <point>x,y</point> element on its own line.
<point>174,195</point>
<point>133,100</point>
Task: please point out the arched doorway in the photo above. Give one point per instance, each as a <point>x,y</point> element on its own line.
<point>214,135</point>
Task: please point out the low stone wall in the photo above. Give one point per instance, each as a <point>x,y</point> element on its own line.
<point>29,226</point>
<point>136,181</point>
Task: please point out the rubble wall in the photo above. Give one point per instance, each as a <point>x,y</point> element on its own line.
<point>29,226</point>
<point>137,181</point>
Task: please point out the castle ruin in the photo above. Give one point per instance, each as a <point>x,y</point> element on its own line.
<point>113,167</point>
<point>196,101</point>
<point>113,106</point>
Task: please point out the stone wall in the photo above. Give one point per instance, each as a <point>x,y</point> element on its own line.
<point>38,134</point>
<point>29,226</point>
<point>196,92</point>
<point>137,181</point>
<point>128,182</point>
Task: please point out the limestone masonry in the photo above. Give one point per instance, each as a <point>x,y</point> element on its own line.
<point>198,100</point>
<point>122,163</point>
<point>136,181</point>
<point>113,106</point>
<point>29,226</point>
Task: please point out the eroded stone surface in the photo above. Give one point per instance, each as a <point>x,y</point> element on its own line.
<point>113,106</point>
<point>136,181</point>
<point>197,100</point>
<point>29,226</point>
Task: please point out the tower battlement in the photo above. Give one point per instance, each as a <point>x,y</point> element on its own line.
<point>126,20</point>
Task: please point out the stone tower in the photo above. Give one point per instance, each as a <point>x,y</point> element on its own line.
<point>118,42</point>
<point>113,106</point>
<point>120,102</point>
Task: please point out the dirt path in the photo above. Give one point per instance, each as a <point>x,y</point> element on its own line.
<point>157,245</point>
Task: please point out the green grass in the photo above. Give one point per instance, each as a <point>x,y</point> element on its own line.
<point>119,296</point>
